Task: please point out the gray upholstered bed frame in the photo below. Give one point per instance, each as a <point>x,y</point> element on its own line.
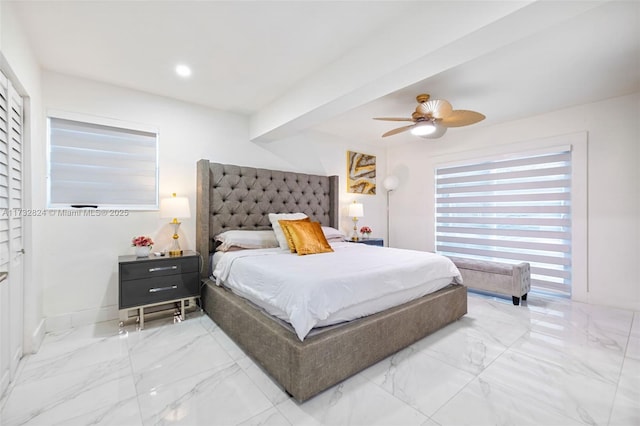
<point>233,197</point>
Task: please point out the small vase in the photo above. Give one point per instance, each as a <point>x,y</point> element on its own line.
<point>143,251</point>
<point>365,236</point>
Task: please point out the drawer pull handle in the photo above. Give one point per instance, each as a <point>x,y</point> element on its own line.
<point>163,268</point>
<point>157,289</point>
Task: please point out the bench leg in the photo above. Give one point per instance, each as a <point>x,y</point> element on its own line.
<point>516,300</point>
<point>524,296</point>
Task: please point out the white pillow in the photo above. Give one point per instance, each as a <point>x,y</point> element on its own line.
<point>246,239</point>
<point>332,234</point>
<point>277,229</point>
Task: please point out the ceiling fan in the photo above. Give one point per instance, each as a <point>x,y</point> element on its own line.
<point>432,118</point>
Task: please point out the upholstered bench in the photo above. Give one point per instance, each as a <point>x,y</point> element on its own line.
<point>496,277</point>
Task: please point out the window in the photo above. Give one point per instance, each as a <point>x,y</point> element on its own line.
<point>108,166</point>
<point>510,210</point>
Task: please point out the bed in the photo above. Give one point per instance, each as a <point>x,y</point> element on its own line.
<point>233,197</point>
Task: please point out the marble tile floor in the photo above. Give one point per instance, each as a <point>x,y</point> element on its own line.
<point>549,362</point>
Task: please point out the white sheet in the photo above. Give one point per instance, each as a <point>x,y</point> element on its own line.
<point>307,290</point>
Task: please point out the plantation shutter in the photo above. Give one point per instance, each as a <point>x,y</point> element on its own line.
<point>5,140</point>
<point>510,210</point>
<point>99,165</point>
<point>11,230</point>
<point>15,154</point>
<point>5,299</point>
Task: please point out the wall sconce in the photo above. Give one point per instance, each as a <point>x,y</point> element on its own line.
<point>175,207</point>
<point>356,210</point>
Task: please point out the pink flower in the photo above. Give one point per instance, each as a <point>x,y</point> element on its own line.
<point>365,230</point>
<point>142,241</point>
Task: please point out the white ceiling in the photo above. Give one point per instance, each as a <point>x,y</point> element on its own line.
<point>331,66</point>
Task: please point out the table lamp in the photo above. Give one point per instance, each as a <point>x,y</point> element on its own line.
<point>356,210</point>
<point>175,207</point>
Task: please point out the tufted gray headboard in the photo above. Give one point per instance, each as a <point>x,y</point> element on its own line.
<point>236,197</point>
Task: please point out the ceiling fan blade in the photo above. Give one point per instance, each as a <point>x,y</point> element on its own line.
<point>398,130</point>
<point>440,131</point>
<point>436,108</point>
<point>393,119</point>
<point>461,117</point>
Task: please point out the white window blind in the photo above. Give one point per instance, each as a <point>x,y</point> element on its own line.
<point>98,165</point>
<point>510,210</point>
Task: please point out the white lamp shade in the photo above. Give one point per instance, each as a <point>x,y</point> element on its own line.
<point>356,210</point>
<point>423,128</point>
<point>440,131</point>
<point>175,207</point>
<point>390,182</point>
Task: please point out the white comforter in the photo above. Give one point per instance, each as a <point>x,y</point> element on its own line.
<point>309,289</point>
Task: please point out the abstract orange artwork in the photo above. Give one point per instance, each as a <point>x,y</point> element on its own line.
<point>361,173</point>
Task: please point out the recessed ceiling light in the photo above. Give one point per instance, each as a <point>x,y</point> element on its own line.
<point>183,70</point>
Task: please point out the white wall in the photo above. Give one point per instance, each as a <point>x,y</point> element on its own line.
<point>320,153</point>
<point>80,254</point>
<point>18,61</point>
<point>613,188</point>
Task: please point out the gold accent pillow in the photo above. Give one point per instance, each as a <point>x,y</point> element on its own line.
<point>308,238</point>
<point>284,224</point>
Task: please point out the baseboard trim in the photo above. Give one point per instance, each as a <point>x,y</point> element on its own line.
<point>37,337</point>
<point>80,318</point>
<point>4,383</point>
<point>15,360</point>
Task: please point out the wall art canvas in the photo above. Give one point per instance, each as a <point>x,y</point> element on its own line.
<point>361,173</point>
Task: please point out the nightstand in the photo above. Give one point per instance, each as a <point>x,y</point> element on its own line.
<point>155,281</point>
<point>370,242</point>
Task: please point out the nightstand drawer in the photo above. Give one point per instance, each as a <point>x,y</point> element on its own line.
<point>158,268</point>
<point>158,289</point>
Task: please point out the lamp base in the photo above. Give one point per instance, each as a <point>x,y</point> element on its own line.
<point>354,236</point>
<point>175,249</point>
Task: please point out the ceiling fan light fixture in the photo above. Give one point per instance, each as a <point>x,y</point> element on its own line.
<point>440,131</point>
<point>423,129</point>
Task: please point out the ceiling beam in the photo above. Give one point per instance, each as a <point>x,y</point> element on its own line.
<point>434,39</point>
